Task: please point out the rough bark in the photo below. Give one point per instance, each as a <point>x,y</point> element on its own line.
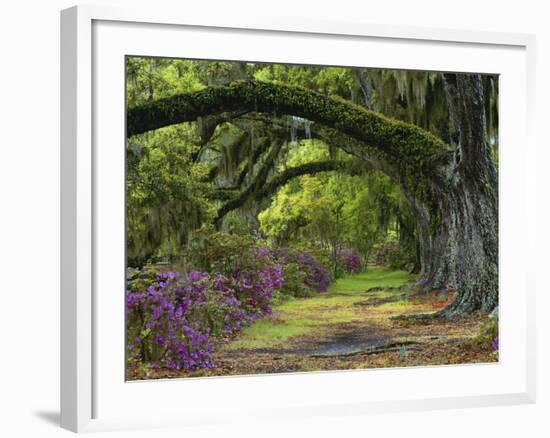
<point>365,88</point>
<point>460,239</point>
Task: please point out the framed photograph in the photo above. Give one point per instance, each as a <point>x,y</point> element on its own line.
<point>336,211</point>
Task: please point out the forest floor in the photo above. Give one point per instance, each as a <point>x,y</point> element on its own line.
<point>352,326</point>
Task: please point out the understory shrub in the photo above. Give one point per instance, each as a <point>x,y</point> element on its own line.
<point>390,254</point>
<point>303,274</point>
<point>348,260</point>
<point>320,252</point>
<point>170,319</point>
<point>214,251</point>
<point>161,328</point>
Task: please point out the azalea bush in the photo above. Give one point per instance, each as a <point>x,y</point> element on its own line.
<point>348,260</point>
<point>300,272</point>
<point>391,254</point>
<point>254,274</point>
<point>303,274</point>
<point>171,319</point>
<point>164,317</point>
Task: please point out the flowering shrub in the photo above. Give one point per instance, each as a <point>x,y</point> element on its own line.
<point>348,260</point>
<point>170,320</point>
<point>318,277</point>
<point>250,268</point>
<point>390,254</point>
<point>162,325</point>
<point>298,272</point>
<point>255,288</point>
<point>303,273</point>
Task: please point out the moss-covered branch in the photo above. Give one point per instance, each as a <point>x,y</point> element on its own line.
<point>313,168</point>
<point>402,141</point>
<point>405,176</point>
<point>261,189</point>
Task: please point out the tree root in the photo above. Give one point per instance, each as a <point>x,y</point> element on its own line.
<point>448,312</point>
<point>394,346</point>
<point>417,316</point>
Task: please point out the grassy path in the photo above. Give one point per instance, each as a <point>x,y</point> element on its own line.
<point>350,327</point>
<point>322,315</point>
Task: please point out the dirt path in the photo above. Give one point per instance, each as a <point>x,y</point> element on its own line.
<point>351,327</point>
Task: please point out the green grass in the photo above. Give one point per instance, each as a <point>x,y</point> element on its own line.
<point>298,317</point>
<point>374,277</point>
<point>273,332</point>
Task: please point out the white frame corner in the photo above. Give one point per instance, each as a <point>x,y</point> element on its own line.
<point>77,197</point>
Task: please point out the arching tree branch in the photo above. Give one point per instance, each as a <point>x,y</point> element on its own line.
<point>402,141</point>
<point>257,192</point>
<point>312,168</point>
<point>278,126</point>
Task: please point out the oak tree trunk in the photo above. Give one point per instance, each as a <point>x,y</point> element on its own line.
<point>459,239</point>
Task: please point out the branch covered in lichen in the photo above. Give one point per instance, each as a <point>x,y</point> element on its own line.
<point>401,141</point>
<point>260,190</point>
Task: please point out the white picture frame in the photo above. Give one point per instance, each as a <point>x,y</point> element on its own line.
<point>91,393</point>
